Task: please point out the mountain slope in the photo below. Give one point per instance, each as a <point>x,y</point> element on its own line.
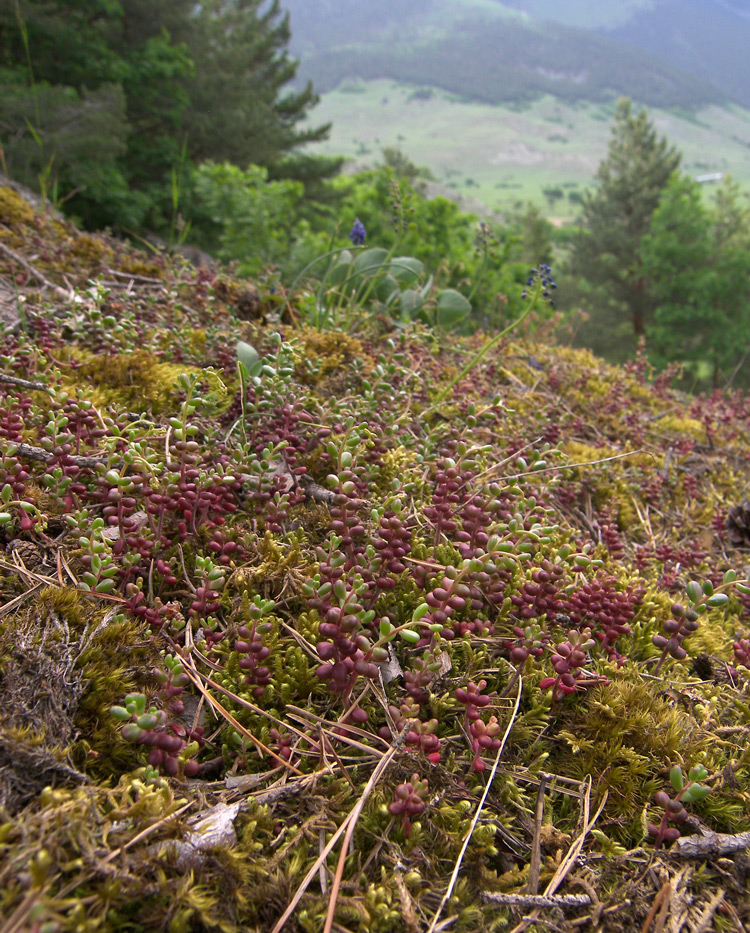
<point>481,51</point>
<point>709,39</point>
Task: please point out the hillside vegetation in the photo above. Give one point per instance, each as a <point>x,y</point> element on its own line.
<point>374,634</point>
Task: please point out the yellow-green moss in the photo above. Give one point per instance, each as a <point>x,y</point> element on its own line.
<point>134,381</point>
<point>90,248</point>
<point>137,264</point>
<point>14,209</point>
<point>688,426</point>
<point>330,352</point>
<point>627,733</point>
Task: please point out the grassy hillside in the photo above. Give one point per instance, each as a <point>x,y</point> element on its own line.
<point>502,154</point>
<point>583,13</point>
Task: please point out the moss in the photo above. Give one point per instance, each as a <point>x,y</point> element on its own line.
<point>330,356</point>
<point>138,264</point>
<point>132,381</point>
<point>627,734</point>
<point>683,426</point>
<point>14,209</point>
<point>91,249</point>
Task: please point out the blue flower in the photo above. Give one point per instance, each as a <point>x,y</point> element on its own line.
<point>358,233</point>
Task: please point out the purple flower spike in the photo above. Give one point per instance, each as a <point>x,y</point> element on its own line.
<point>358,233</point>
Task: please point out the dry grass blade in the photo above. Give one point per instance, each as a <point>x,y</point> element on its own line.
<point>20,915</point>
<point>195,677</point>
<point>352,822</point>
<point>19,600</point>
<point>467,837</point>
<point>536,847</point>
<point>572,855</point>
<point>353,816</point>
<point>12,254</point>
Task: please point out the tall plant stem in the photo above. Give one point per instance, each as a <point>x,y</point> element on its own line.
<point>477,358</point>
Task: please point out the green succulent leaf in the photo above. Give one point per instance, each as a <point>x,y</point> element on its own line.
<point>409,636</point>
<point>695,792</point>
<point>719,599</point>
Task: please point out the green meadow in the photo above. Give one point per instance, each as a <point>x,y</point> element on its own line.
<point>500,155</point>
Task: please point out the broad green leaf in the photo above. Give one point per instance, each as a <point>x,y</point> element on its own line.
<point>370,261</point>
<point>406,269</point>
<point>247,355</point>
<point>341,270</point>
<point>452,308</point>
<point>410,303</point>
<point>386,288</point>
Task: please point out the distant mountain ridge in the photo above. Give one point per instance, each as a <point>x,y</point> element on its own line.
<point>709,38</point>
<point>675,53</point>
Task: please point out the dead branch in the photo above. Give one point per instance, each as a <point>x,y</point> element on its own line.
<point>12,254</point>
<point>23,383</point>
<point>43,456</point>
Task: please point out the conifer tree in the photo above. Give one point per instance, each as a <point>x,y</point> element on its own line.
<point>696,257</point>
<point>618,213</point>
<point>241,110</point>
<point>115,98</point>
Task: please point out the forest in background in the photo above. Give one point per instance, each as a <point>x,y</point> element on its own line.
<point>187,125</point>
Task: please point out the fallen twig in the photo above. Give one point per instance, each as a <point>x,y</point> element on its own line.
<point>316,491</point>
<point>704,923</point>
<point>12,254</point>
<point>536,847</point>
<point>23,383</point>
<point>131,276</point>
<point>43,456</point>
<point>710,845</point>
<point>573,852</point>
<point>537,900</point>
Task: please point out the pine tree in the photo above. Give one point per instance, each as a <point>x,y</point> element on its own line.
<point>113,99</point>
<point>618,213</point>
<point>697,261</point>
<point>240,110</point>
